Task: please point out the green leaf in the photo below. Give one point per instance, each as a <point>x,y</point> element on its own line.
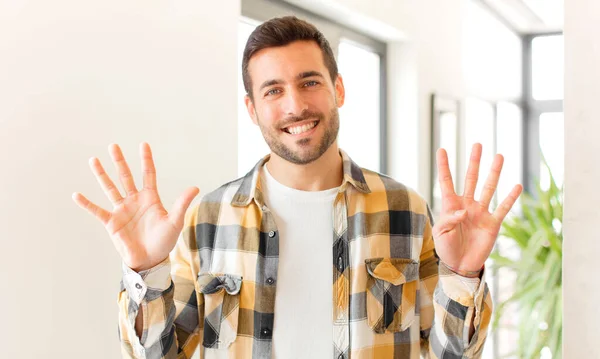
<point>538,288</point>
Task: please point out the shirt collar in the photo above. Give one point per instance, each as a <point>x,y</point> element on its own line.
<point>250,188</point>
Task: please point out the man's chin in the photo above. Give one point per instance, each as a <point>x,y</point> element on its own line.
<point>302,157</point>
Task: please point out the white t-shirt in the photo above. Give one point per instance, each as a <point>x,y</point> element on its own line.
<point>303,309</point>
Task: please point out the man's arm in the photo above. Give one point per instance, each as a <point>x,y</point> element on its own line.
<point>455,310</point>
<point>160,308</point>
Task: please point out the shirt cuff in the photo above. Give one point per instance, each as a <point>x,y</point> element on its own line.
<point>466,291</point>
<point>137,284</point>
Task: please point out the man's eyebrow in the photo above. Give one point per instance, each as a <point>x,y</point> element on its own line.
<point>300,76</point>
<point>270,83</point>
<point>306,74</point>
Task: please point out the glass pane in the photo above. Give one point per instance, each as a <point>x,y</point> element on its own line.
<point>509,143</point>
<point>547,56</point>
<point>448,128</point>
<point>492,57</point>
<point>359,117</point>
<point>251,144</point>
<point>509,133</point>
<point>479,127</point>
<point>553,147</point>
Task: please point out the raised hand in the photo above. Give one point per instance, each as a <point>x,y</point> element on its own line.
<point>466,232</point>
<point>141,229</point>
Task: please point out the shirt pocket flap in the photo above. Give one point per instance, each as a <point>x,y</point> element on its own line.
<point>393,270</point>
<point>209,283</point>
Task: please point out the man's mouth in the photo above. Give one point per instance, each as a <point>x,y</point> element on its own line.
<point>299,129</point>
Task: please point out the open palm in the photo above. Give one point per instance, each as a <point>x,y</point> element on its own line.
<point>143,232</point>
<point>466,232</point>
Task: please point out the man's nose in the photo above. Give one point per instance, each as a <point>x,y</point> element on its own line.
<point>294,103</point>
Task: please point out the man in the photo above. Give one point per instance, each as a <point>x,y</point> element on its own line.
<point>308,255</point>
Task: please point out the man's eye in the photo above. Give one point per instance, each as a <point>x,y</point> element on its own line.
<point>273,92</point>
<point>311,83</point>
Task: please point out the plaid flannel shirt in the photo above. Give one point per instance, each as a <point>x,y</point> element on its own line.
<point>390,299</point>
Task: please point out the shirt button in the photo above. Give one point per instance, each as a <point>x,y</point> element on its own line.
<point>270,280</point>
<point>266,331</point>
<point>138,285</point>
<point>271,234</point>
<point>341,356</point>
<point>340,263</point>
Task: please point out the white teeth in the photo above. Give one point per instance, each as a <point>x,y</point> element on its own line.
<point>300,129</point>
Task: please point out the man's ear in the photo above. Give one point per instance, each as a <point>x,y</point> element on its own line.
<point>251,109</point>
<point>340,91</point>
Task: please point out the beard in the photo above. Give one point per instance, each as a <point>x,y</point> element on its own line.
<point>308,151</point>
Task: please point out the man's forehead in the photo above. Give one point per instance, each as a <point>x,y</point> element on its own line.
<point>289,61</point>
<point>294,47</point>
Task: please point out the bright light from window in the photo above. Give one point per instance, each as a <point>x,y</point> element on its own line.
<point>359,117</point>
<point>553,147</point>
<point>547,56</point>
<point>479,127</point>
<point>448,124</point>
<point>251,144</point>
<point>509,143</point>
<point>492,57</point>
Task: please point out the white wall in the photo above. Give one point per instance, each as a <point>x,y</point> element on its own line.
<point>74,77</point>
<point>582,175</point>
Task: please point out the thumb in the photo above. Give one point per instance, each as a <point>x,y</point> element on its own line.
<point>448,222</point>
<point>177,214</point>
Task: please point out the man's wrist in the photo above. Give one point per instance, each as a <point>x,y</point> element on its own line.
<point>463,273</point>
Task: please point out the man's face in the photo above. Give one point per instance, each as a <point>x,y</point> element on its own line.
<point>295,103</point>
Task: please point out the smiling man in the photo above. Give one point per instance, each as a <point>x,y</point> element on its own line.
<point>308,255</point>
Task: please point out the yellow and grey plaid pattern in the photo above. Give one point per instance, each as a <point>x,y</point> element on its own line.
<point>390,299</point>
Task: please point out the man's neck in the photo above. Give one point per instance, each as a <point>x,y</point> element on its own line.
<point>324,173</point>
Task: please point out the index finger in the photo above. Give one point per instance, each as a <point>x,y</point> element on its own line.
<point>444,175</point>
<point>508,202</point>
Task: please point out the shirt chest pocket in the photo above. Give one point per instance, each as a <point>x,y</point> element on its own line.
<point>391,293</point>
<point>221,308</point>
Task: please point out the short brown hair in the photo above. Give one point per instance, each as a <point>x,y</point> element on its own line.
<point>282,31</point>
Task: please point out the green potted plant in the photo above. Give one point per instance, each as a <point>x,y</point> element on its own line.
<point>537,233</point>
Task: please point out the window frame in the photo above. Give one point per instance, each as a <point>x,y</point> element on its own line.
<point>532,109</point>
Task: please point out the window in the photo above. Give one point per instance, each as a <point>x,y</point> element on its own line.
<point>552,147</point>
<point>498,127</point>
<point>509,142</point>
<point>479,127</point>
<point>448,138</point>
<point>516,86</point>
<point>493,114</point>
<point>359,117</point>
<point>251,144</point>
<point>493,62</point>
<point>361,62</point>
<point>547,56</point>
<point>492,59</point>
